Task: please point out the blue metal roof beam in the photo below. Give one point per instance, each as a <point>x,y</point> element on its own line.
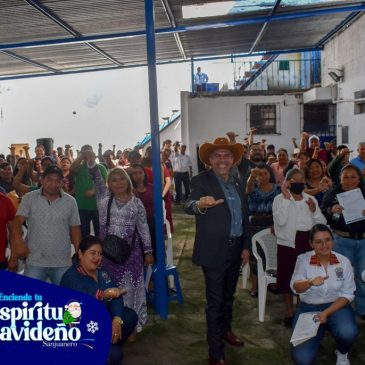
<point>31,62</point>
<point>50,15</point>
<point>264,27</point>
<point>340,26</point>
<point>171,18</point>
<point>183,29</point>
<point>207,58</point>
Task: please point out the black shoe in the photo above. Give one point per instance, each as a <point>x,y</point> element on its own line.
<point>363,317</point>
<point>288,322</point>
<point>272,288</point>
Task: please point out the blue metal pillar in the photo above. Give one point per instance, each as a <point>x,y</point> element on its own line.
<point>316,67</point>
<point>305,70</point>
<point>159,277</point>
<point>192,75</point>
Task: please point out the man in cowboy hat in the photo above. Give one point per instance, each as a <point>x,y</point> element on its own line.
<point>221,240</point>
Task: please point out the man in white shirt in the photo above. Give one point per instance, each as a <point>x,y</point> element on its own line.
<point>182,173</point>
<point>200,80</point>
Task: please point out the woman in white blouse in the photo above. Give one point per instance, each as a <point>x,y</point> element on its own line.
<point>325,283</point>
<point>294,213</point>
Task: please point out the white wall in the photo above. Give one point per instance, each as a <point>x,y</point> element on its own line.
<point>206,118</point>
<point>172,132</point>
<point>347,50</point>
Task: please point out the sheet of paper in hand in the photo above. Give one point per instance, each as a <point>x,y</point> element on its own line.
<point>305,328</point>
<point>353,204</point>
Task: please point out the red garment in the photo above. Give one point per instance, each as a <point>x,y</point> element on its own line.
<point>7,214</point>
<point>147,200</point>
<point>167,197</point>
<point>322,154</point>
<point>287,258</point>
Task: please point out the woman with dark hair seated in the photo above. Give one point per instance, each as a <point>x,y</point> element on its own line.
<point>87,277</point>
<point>262,190</point>
<point>325,283</point>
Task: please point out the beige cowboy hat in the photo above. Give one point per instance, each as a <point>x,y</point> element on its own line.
<point>206,149</point>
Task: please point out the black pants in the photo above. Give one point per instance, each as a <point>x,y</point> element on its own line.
<point>87,216</point>
<point>130,320</point>
<point>182,178</point>
<point>220,286</point>
<point>202,87</point>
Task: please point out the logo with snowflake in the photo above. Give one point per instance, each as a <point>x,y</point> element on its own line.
<point>92,327</point>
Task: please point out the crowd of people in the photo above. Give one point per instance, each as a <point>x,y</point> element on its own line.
<point>297,196</point>
<point>58,202</point>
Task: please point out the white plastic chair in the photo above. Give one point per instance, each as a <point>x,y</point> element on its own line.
<point>266,275</point>
<point>245,275</point>
<point>168,245</point>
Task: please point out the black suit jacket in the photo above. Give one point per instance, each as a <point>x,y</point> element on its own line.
<point>213,228</point>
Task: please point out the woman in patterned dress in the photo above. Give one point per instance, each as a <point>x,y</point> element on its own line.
<point>128,221</point>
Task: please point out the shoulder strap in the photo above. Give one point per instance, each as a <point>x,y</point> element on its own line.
<point>108,209</point>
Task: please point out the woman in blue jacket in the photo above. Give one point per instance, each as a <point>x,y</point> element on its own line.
<point>87,277</point>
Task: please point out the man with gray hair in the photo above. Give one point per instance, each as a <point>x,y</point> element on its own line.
<point>359,160</point>
<point>221,240</point>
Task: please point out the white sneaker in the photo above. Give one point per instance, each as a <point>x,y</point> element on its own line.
<point>138,328</point>
<point>342,358</point>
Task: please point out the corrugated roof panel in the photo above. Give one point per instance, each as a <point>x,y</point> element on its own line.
<point>307,31</point>
<point>90,17</point>
<point>220,41</point>
<point>20,22</point>
<point>11,66</point>
<point>65,57</point>
<point>133,50</point>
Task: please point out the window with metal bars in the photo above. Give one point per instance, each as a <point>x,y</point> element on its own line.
<point>263,117</point>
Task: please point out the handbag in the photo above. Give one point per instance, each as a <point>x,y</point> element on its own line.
<point>115,249</point>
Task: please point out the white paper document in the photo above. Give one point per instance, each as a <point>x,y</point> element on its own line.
<point>353,204</point>
<point>305,328</point>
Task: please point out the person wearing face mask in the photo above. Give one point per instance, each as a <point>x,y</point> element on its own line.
<point>294,213</point>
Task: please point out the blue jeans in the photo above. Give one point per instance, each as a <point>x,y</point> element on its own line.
<point>341,324</point>
<point>354,250</point>
<point>54,274</point>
